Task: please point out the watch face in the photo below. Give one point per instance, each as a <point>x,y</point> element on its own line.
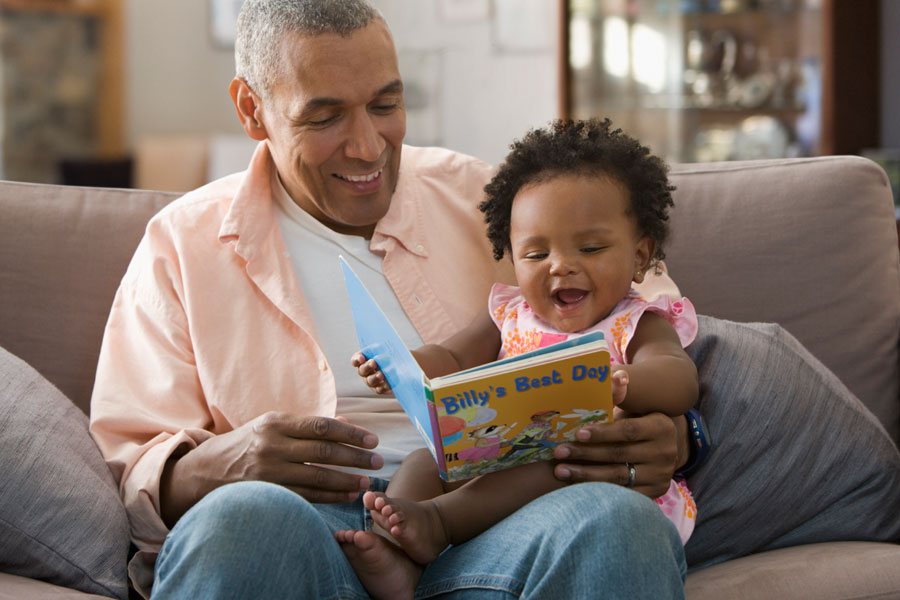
<point>698,427</point>
<point>701,443</point>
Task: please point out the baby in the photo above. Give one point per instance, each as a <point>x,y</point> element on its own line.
<point>581,210</point>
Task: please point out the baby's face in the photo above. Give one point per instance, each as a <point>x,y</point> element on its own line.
<point>574,248</point>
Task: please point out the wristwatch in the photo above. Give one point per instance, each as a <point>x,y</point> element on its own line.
<point>700,442</point>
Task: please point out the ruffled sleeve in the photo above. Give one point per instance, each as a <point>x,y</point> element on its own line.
<point>503,303</point>
<point>679,312</point>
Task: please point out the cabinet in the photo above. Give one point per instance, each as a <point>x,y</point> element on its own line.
<point>701,80</point>
<point>61,81</point>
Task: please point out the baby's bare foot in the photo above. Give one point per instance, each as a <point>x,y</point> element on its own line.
<point>383,569</point>
<point>416,526</point>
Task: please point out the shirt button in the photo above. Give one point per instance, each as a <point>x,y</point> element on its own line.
<point>420,248</point>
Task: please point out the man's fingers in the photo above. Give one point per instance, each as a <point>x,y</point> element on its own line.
<point>318,477</point>
<point>649,427</point>
<point>579,473</point>
<point>323,496</point>
<point>282,439</point>
<point>328,453</point>
<point>314,428</point>
<point>613,453</point>
<point>603,453</point>
<point>647,479</point>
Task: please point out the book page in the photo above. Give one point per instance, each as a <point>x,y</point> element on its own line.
<point>379,340</point>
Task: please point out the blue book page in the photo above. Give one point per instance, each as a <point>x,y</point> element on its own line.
<point>379,340</point>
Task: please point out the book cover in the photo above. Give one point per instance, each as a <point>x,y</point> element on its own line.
<point>495,416</point>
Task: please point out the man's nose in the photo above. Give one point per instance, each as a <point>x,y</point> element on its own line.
<point>364,140</point>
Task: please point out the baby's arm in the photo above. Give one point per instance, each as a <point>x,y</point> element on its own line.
<point>661,376</point>
<point>476,344</point>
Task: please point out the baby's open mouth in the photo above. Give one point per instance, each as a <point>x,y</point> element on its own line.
<point>568,296</point>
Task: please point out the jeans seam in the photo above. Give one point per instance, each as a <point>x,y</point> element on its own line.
<point>491,582</point>
<point>348,593</point>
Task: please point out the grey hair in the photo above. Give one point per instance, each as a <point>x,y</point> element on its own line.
<point>262,25</point>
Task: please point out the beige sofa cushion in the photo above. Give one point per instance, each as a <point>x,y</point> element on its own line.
<point>748,244</point>
<point>64,251</point>
<point>14,587</point>
<point>815,572</point>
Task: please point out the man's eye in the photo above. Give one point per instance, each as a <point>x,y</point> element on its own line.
<point>386,108</point>
<point>320,122</point>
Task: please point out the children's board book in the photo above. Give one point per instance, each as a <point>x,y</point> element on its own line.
<point>495,416</point>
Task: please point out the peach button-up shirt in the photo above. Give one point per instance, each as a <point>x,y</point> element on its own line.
<point>209,328</point>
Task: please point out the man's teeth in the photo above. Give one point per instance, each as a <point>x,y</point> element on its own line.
<point>361,178</point>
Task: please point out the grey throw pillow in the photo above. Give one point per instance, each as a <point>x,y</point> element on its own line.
<point>61,519</point>
<point>796,458</point>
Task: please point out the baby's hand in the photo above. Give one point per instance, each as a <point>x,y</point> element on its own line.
<point>619,386</point>
<point>369,371</point>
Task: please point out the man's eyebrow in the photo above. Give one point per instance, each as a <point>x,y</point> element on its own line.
<point>394,87</point>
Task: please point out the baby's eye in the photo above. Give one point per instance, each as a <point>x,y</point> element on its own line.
<point>535,255</point>
<point>592,249</point>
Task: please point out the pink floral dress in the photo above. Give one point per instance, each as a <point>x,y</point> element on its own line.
<point>521,330</point>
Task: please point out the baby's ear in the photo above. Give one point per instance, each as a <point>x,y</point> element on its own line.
<point>643,255</point>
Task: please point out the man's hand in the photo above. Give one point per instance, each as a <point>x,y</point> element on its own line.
<point>278,447</point>
<point>655,445</point>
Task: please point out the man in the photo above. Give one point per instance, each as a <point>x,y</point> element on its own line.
<point>226,356</point>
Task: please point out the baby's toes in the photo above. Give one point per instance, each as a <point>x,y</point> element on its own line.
<point>378,503</point>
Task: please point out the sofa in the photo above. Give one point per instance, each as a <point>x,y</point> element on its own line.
<point>800,255</point>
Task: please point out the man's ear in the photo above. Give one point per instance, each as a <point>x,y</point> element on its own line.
<point>248,107</point>
<point>643,252</point>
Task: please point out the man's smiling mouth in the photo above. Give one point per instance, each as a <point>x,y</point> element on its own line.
<point>360,178</point>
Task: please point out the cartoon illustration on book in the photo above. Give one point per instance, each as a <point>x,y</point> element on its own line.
<point>498,415</point>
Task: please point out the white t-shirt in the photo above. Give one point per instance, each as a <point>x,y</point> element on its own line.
<point>313,249</point>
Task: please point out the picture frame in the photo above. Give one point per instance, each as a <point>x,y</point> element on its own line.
<point>223,16</point>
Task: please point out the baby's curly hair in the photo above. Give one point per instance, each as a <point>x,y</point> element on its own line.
<point>588,148</point>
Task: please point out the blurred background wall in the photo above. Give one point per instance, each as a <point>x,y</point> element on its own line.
<point>470,86</point>
<point>478,74</point>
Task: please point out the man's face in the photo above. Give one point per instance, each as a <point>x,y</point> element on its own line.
<point>335,122</point>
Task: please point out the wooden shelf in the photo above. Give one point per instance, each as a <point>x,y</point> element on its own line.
<point>839,41</point>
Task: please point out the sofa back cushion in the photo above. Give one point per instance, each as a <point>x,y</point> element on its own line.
<point>63,251</point>
<point>810,244</point>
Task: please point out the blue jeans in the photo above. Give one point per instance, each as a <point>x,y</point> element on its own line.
<point>259,540</point>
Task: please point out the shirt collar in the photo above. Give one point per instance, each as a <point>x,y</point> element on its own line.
<point>250,218</point>
<point>404,220</point>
